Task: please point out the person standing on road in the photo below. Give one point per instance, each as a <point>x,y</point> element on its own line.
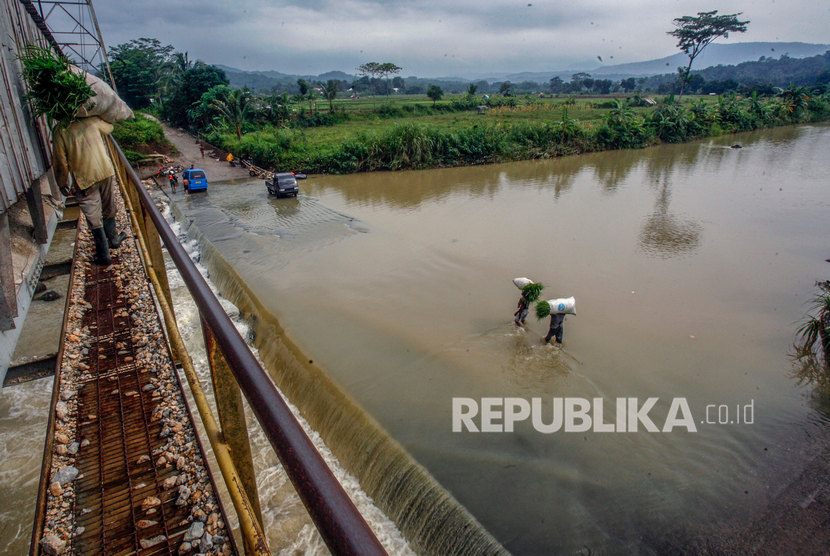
<point>202,148</point>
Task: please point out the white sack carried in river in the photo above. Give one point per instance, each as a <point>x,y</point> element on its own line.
<point>106,104</point>
<point>562,305</point>
<point>522,282</point>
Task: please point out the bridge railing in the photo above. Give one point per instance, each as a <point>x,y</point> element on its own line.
<point>235,372</point>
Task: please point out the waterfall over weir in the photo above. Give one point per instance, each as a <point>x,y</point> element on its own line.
<point>428,516</point>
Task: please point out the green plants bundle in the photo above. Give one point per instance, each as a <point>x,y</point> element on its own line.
<point>55,91</point>
<point>532,291</point>
<point>542,309</point>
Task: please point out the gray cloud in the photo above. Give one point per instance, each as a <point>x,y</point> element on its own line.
<point>431,38</point>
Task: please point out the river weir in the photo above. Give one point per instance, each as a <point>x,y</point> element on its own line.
<point>432,520</point>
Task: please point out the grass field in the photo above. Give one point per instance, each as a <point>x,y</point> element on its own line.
<point>410,131</point>
<point>362,115</point>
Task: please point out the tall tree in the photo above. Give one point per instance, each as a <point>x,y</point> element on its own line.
<point>385,70</point>
<point>172,72</point>
<point>377,70</point>
<point>195,82</point>
<point>276,108</point>
<point>694,33</point>
<point>181,63</point>
<point>435,93</point>
<point>138,67</point>
<point>305,87</point>
<point>369,69</point>
<point>329,89</point>
<point>235,109</point>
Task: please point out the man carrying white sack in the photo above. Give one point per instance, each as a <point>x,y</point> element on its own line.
<point>557,309</point>
<point>79,149</point>
<point>80,108</point>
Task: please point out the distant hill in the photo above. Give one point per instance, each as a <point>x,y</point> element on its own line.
<point>714,55</point>
<point>765,73</point>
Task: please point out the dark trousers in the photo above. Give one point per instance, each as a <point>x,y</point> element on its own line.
<point>555,331</point>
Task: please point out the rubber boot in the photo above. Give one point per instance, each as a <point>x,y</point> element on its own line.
<point>102,250</point>
<point>115,238</point>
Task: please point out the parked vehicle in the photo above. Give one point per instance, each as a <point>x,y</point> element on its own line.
<point>194,179</point>
<point>282,185</point>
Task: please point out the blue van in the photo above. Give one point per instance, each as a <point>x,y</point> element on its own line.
<point>194,179</point>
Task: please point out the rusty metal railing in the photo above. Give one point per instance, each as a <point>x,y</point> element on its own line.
<point>234,369</point>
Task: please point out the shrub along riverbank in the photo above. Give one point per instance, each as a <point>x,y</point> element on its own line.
<point>413,145</point>
<point>458,136</point>
<point>140,137</point>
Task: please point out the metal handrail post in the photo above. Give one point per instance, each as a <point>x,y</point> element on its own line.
<point>232,417</point>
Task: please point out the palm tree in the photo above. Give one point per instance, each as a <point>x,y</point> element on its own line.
<point>277,108</point>
<point>171,73</point>
<point>235,109</point>
<point>181,63</point>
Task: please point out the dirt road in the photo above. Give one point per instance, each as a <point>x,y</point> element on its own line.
<point>216,170</point>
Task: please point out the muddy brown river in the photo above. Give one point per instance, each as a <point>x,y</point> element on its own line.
<point>692,267</point>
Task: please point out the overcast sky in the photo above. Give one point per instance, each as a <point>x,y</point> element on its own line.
<point>434,38</point>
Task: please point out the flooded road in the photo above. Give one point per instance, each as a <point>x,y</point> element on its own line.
<point>691,265</point>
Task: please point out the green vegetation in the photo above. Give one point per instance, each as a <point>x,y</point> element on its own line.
<point>141,136</point>
<point>812,351</point>
<point>152,77</point>
<point>406,133</point>
<point>816,328</point>
<point>435,93</point>
<point>532,291</point>
<point>542,309</point>
<point>332,127</point>
<point>379,70</point>
<point>55,91</point>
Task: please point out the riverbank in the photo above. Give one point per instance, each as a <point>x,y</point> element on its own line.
<point>510,133</point>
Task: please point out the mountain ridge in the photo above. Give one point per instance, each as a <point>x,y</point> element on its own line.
<point>716,54</point>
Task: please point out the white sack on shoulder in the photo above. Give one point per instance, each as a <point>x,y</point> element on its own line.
<point>522,282</point>
<point>562,305</point>
<point>106,104</point>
